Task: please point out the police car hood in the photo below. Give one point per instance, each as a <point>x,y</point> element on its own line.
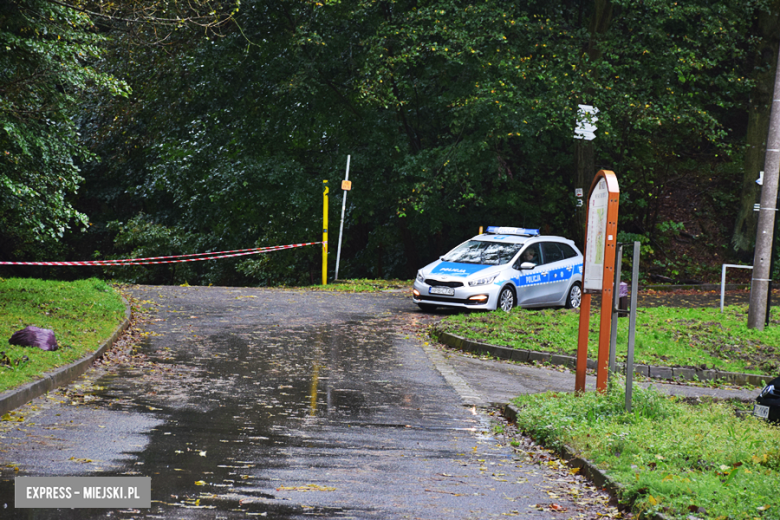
<point>458,270</point>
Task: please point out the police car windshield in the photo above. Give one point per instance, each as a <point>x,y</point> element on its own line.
<point>479,252</point>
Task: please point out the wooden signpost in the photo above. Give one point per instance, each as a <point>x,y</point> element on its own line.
<point>599,273</point>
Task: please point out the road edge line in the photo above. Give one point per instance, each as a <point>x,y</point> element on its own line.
<point>466,393</point>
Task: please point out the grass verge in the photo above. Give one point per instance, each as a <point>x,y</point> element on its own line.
<point>665,336</point>
<point>82,315</point>
<point>364,285</point>
<point>668,456</point>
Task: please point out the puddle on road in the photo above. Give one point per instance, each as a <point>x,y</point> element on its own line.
<point>263,405</point>
<point>249,416</point>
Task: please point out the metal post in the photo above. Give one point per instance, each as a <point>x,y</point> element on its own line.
<point>632,328</point>
<point>325,233</point>
<point>615,304</point>
<point>341,227</point>
<point>723,280</point>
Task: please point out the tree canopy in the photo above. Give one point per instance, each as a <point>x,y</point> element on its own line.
<point>46,67</point>
<point>456,115</point>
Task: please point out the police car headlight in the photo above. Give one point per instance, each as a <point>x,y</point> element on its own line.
<point>420,277</point>
<point>768,391</point>
<point>482,281</point>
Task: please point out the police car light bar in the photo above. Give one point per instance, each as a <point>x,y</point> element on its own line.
<point>513,231</point>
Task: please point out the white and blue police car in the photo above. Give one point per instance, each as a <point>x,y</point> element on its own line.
<point>503,268</point>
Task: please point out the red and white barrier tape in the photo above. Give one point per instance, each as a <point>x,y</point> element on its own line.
<point>255,249</point>
<point>197,257</point>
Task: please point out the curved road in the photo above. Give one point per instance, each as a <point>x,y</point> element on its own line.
<point>243,403</point>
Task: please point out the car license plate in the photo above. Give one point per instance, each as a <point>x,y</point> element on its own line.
<point>446,291</point>
<point>760,410</point>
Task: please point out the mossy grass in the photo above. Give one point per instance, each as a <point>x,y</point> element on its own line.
<point>669,456</point>
<point>364,285</point>
<point>82,315</point>
<point>665,336</point>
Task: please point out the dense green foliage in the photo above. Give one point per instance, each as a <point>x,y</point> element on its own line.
<point>681,460</point>
<point>45,68</point>
<point>456,115</point>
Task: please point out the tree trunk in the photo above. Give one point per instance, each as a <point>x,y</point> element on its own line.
<point>599,24</point>
<point>768,29</point>
<point>745,226</point>
<point>583,150</point>
<point>585,171</point>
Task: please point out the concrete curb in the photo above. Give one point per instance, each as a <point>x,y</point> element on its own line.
<point>17,397</point>
<point>587,468</point>
<point>653,372</point>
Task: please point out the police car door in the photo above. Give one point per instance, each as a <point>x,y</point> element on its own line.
<point>530,282</point>
<point>558,272</point>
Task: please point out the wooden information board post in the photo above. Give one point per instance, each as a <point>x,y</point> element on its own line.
<point>599,273</point>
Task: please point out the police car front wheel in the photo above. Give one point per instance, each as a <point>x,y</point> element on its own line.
<point>574,297</point>
<point>506,299</point>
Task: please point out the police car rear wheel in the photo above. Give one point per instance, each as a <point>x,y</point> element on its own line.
<point>506,300</point>
<point>574,298</point>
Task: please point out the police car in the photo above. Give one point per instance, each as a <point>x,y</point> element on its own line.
<point>768,402</point>
<point>501,269</point>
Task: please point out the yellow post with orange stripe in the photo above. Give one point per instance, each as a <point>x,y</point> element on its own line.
<point>325,233</point>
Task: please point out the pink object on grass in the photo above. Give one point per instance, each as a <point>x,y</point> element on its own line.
<point>33,336</point>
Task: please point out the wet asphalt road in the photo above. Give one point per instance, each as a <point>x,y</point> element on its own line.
<point>279,404</point>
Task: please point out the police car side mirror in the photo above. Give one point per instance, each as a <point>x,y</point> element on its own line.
<point>527,266</point>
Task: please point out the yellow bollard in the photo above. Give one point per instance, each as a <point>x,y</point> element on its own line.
<point>315,383</point>
<point>325,234</point>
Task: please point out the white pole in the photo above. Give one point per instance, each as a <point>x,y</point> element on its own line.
<point>341,227</point>
<point>723,280</point>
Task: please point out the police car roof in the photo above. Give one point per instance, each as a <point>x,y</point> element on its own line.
<point>518,239</point>
<point>503,230</point>
<point>511,239</point>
